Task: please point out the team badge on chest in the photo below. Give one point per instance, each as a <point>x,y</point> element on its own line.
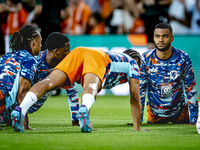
<point>173,74</point>
<point>166,89</point>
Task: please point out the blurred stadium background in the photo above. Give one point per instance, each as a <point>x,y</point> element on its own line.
<point>123,23</point>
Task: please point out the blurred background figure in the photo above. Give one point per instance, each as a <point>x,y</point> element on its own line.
<point>99,17</point>
<point>94,5</point>
<point>105,8</point>
<point>96,24</point>
<point>47,15</point>
<point>154,12</point>
<point>132,21</point>
<point>29,5</point>
<point>15,20</point>
<point>125,17</point>
<point>180,16</point>
<point>2,43</point>
<point>115,20</point>
<point>77,22</point>
<point>195,22</point>
<point>4,10</point>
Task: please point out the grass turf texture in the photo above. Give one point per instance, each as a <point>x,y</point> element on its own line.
<point>109,115</point>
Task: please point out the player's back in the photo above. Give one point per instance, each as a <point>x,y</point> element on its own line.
<point>122,68</point>
<point>10,65</point>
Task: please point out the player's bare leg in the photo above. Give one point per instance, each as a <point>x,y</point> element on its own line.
<point>91,86</point>
<point>55,80</point>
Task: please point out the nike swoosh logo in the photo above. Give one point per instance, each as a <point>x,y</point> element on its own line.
<point>32,99</point>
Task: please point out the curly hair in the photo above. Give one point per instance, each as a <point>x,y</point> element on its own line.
<point>134,54</point>
<point>21,40</point>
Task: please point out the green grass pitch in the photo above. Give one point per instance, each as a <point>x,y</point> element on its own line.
<point>109,115</point>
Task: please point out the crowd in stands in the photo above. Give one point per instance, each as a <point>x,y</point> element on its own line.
<point>108,16</point>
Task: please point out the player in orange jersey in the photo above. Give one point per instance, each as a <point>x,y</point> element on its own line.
<point>92,69</point>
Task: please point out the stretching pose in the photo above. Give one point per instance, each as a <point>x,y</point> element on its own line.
<point>92,69</point>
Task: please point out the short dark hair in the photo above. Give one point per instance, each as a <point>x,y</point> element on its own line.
<point>21,39</point>
<point>164,25</point>
<point>56,40</point>
<point>134,54</point>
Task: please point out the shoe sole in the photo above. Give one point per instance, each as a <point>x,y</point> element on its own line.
<point>84,121</point>
<point>15,121</point>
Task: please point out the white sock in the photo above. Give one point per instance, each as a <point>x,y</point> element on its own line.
<point>28,101</point>
<point>88,100</point>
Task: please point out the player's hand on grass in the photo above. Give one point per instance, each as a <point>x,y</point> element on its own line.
<point>128,124</point>
<point>75,123</point>
<point>9,123</point>
<point>144,129</point>
<point>94,130</point>
<point>29,128</point>
<point>190,124</point>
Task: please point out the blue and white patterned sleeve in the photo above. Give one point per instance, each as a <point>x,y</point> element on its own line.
<point>190,89</point>
<point>143,86</point>
<point>73,101</point>
<point>29,69</point>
